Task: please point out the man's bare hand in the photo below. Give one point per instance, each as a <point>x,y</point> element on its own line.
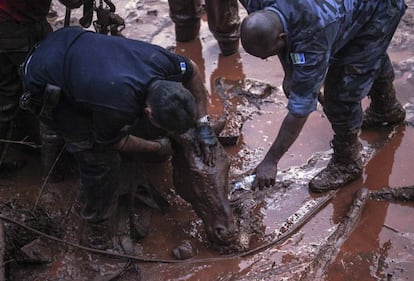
<point>265,175</point>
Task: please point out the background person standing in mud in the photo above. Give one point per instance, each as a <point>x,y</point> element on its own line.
<point>104,104</point>
<point>22,24</point>
<point>222,16</point>
<point>341,45</point>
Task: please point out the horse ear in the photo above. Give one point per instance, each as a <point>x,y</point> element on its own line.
<point>148,111</point>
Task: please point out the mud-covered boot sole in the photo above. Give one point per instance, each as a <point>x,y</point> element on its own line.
<point>334,177</point>
<point>374,119</point>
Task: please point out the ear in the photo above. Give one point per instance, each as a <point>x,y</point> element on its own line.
<point>282,36</point>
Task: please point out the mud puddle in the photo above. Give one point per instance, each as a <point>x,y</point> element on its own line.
<point>380,247</point>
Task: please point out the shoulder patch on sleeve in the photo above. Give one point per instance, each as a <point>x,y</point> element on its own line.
<point>297,58</point>
<point>183,67</point>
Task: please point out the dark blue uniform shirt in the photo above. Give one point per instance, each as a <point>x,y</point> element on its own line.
<point>104,78</point>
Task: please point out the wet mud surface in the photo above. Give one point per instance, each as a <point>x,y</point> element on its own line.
<point>287,232</point>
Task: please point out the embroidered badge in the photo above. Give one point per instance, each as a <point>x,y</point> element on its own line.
<point>183,67</point>
<point>298,58</point>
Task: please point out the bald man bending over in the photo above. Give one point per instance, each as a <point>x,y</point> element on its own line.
<point>341,45</point>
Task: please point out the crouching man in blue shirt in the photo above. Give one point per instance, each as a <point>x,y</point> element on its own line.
<point>341,45</point>
<point>97,91</point>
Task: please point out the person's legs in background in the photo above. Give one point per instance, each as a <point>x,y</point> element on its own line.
<point>223,21</point>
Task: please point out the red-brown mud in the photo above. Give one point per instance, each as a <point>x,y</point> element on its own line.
<point>380,247</point>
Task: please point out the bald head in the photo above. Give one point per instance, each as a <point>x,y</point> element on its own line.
<point>262,34</point>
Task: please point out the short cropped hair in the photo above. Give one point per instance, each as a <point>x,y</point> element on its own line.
<point>173,106</point>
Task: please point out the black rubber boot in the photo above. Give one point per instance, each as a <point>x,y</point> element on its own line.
<point>344,166</point>
<point>229,47</point>
<point>186,15</point>
<point>99,172</point>
<point>52,145</point>
<point>98,235</point>
<point>384,110</point>
<point>188,32</point>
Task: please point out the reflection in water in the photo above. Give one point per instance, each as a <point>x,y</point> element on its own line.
<point>379,169</point>
<point>364,244</point>
<point>192,50</point>
<point>229,67</point>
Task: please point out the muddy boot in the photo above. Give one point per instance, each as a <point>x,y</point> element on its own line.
<point>384,110</point>
<point>344,166</point>
<point>186,15</point>
<point>228,48</point>
<point>52,145</point>
<point>224,23</point>
<point>98,234</point>
<point>143,200</point>
<point>188,32</point>
<point>140,219</point>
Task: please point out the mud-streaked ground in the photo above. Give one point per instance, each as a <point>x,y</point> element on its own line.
<point>381,247</point>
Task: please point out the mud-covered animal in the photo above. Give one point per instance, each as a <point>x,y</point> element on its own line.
<point>205,187</point>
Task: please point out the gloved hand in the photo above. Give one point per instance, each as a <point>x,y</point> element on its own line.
<point>207,141</point>
<point>165,149</point>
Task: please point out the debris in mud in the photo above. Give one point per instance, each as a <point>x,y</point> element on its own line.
<point>37,251</point>
<point>185,250</point>
<point>244,183</point>
<point>237,97</point>
<point>399,194</point>
<point>21,244</point>
<point>409,109</point>
<point>249,218</point>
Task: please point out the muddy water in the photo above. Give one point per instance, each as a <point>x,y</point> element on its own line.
<point>381,247</point>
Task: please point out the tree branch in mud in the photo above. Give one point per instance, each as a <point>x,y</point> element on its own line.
<point>405,193</point>
<point>329,250</point>
<point>22,142</point>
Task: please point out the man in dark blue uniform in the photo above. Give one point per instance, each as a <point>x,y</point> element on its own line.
<point>97,91</point>
<point>340,44</point>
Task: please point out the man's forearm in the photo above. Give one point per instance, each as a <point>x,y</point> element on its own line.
<point>196,86</point>
<point>132,143</point>
<point>288,133</point>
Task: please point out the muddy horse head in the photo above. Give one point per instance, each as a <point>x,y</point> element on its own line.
<point>206,188</point>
